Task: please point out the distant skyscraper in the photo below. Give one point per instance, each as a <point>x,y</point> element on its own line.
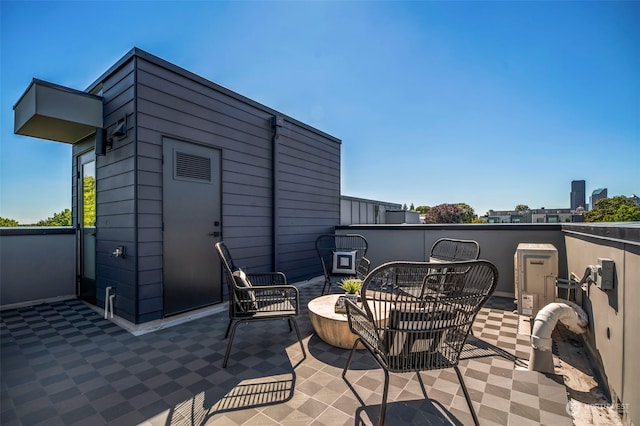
<point>596,195</point>
<point>577,194</point>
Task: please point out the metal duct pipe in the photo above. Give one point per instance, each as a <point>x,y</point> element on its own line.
<point>568,313</point>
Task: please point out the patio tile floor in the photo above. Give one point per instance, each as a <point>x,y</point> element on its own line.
<point>62,363</point>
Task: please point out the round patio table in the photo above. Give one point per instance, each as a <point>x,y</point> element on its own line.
<point>331,327</point>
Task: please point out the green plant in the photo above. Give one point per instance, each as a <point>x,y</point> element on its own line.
<point>351,285</point>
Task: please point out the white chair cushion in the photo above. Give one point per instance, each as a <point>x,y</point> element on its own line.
<point>247,298</point>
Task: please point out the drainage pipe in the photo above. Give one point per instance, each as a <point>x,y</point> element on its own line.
<point>568,313</point>
<point>276,125</point>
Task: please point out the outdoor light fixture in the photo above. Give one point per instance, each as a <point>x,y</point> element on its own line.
<point>104,142</point>
<point>101,141</point>
<point>121,129</point>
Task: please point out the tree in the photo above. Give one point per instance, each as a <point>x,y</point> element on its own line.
<point>522,207</point>
<point>422,209</point>
<point>404,207</point>
<point>614,209</point>
<point>89,205</point>
<point>59,219</point>
<point>4,222</point>
<point>445,213</point>
<point>412,208</point>
<point>468,213</point>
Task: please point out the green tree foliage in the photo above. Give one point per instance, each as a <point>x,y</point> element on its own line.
<point>422,209</point>
<point>522,208</point>
<point>404,207</point>
<point>614,209</point>
<point>89,196</point>
<point>445,213</point>
<point>468,213</point>
<point>412,208</point>
<point>4,222</point>
<point>59,219</point>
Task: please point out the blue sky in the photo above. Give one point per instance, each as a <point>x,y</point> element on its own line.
<point>489,103</point>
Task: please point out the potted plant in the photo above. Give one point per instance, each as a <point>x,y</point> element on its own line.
<point>351,287</point>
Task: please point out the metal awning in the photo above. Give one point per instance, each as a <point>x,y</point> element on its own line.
<point>50,111</point>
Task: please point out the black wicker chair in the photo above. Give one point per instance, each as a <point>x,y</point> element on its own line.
<point>409,327</point>
<point>342,256</point>
<point>257,297</point>
<point>450,249</point>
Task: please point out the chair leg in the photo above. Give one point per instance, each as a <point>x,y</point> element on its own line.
<point>353,349</point>
<point>295,324</point>
<point>226,355</point>
<point>466,395</point>
<point>385,393</point>
<point>228,328</point>
<point>424,389</point>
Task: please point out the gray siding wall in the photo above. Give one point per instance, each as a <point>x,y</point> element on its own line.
<point>115,197</point>
<point>309,198</point>
<point>177,104</point>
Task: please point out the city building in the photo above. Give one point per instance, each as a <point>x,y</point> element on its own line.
<point>596,195</point>
<point>578,194</point>
<point>541,215</point>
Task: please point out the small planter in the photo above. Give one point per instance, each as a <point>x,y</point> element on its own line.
<point>354,297</point>
<point>351,286</point>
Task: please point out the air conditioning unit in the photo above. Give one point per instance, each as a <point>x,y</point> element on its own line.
<point>536,270</point>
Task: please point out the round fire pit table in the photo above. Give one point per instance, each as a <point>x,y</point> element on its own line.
<point>331,327</point>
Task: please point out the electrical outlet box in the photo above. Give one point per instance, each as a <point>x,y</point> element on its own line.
<point>605,274</point>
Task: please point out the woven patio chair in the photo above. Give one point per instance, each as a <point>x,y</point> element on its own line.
<point>450,249</point>
<point>342,256</point>
<point>257,297</point>
<point>407,327</point>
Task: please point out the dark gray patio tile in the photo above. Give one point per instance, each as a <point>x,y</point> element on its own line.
<point>526,411</point>
<point>120,373</point>
<point>167,388</point>
<point>8,416</point>
<point>117,411</point>
<point>130,380</point>
<point>53,379</point>
<point>30,395</point>
<point>39,415</point>
<point>63,396</point>
<point>78,415</point>
<point>100,392</point>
